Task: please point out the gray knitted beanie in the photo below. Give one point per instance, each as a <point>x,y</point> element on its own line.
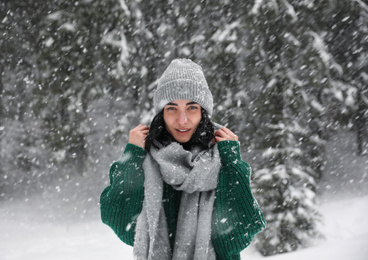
<point>183,79</point>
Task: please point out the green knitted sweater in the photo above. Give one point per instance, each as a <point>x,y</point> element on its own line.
<point>236,218</point>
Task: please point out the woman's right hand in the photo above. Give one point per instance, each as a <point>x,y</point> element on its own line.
<point>137,136</point>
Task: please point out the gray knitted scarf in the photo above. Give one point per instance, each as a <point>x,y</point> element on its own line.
<point>196,174</point>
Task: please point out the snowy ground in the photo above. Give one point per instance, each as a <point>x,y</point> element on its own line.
<point>36,229</point>
<point>24,236</point>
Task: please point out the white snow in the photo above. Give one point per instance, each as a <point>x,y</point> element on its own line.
<point>124,6</point>
<point>321,47</point>
<point>362,4</point>
<point>49,42</point>
<point>227,33</point>
<point>257,5</point>
<point>290,10</point>
<point>31,228</point>
<point>345,231</point>
<point>24,235</point>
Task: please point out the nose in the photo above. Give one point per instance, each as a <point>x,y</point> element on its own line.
<point>182,119</point>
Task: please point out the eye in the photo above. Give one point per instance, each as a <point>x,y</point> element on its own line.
<point>192,107</point>
<point>170,108</point>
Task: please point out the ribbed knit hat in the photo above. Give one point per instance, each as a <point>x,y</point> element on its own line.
<point>183,79</point>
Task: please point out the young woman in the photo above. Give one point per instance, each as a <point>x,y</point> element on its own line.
<point>181,189</point>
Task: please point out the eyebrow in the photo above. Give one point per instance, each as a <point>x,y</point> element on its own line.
<point>174,104</point>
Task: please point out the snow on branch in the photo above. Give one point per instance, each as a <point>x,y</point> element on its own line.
<point>290,10</point>
<point>362,4</point>
<point>322,49</point>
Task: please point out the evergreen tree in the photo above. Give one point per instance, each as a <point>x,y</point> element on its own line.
<point>140,43</point>
<point>2,107</point>
<point>347,34</point>
<point>74,73</point>
<point>286,177</point>
<point>225,62</point>
<point>19,127</point>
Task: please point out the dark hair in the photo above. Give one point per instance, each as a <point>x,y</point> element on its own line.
<point>202,136</point>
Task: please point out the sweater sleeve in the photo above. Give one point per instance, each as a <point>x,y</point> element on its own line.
<point>237,217</point>
<point>121,202</point>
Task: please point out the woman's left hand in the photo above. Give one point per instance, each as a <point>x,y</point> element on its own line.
<point>225,134</point>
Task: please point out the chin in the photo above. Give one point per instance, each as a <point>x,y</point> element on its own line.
<point>182,140</point>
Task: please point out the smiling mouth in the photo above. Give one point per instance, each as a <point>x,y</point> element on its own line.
<point>182,130</point>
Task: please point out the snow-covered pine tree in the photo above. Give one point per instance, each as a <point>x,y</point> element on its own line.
<point>2,107</point>
<point>145,41</point>
<point>222,59</point>
<point>283,184</point>
<point>20,139</point>
<point>73,62</point>
<point>290,72</point>
<point>225,54</point>
<point>346,27</point>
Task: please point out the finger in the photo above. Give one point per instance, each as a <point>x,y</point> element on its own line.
<point>220,137</point>
<point>145,133</point>
<point>230,134</point>
<point>223,133</point>
<point>142,127</point>
<point>217,133</point>
<point>220,132</point>
<point>227,131</point>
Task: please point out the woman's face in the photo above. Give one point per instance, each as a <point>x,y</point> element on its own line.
<point>182,118</point>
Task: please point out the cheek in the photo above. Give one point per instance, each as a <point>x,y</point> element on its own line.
<point>168,121</point>
<point>197,119</point>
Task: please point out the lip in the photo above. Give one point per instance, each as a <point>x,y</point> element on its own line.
<point>183,131</point>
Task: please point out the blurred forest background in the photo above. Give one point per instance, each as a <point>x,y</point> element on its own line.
<point>76,76</point>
